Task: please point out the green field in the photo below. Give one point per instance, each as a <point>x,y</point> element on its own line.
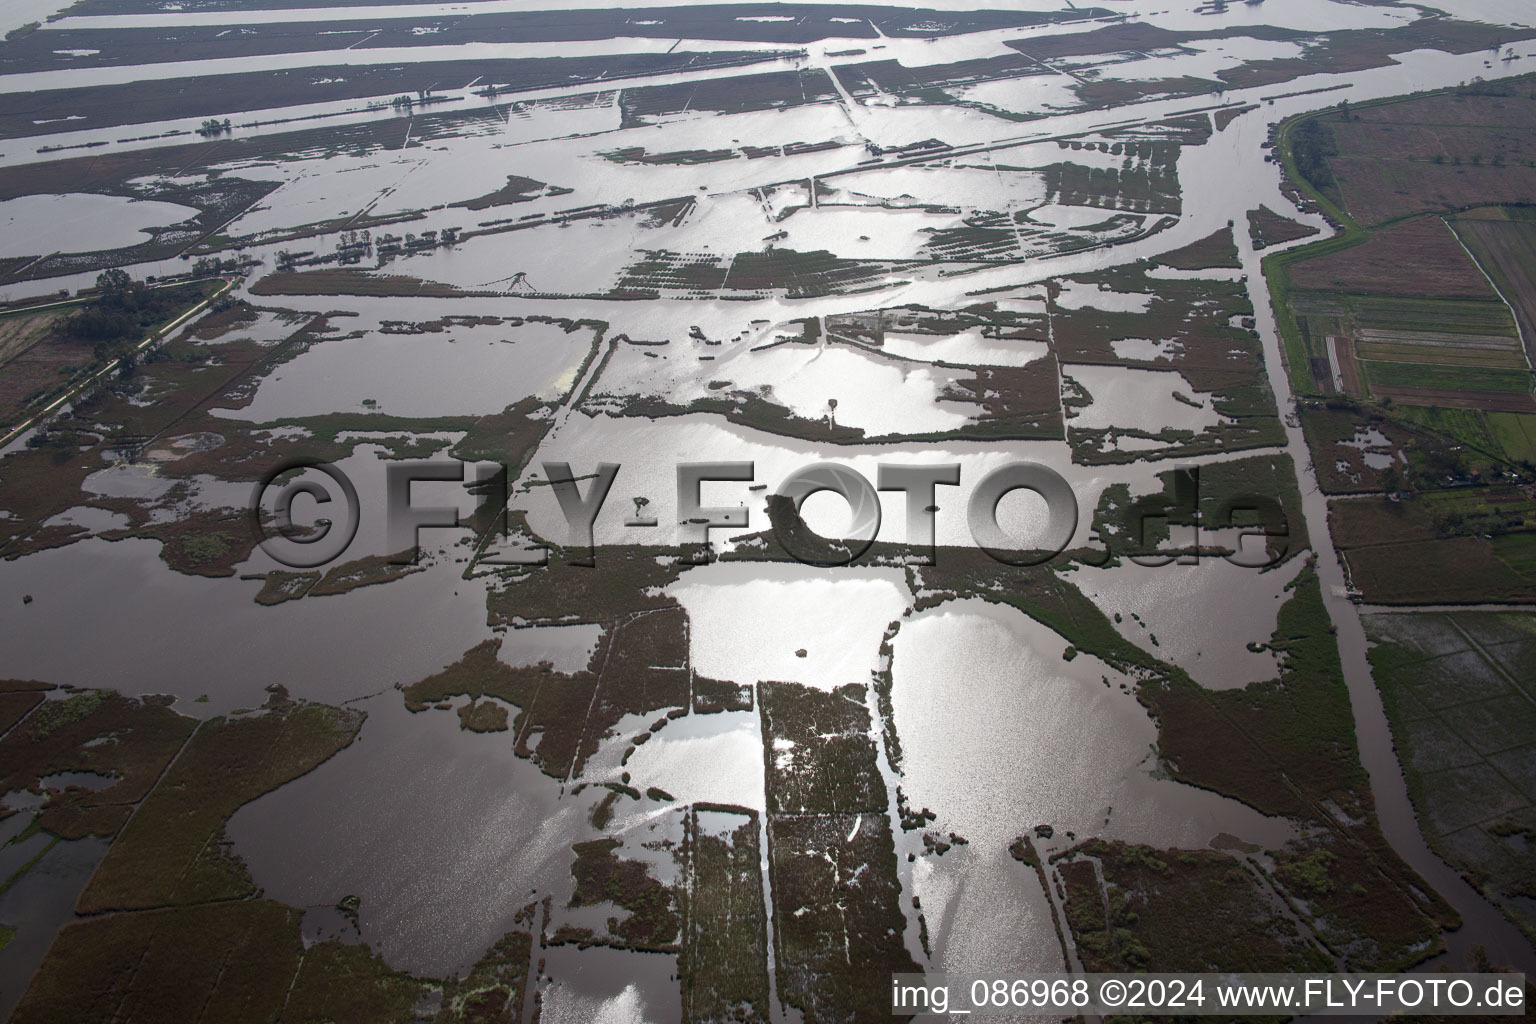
<point>1452,316</point>
<point>1518,551</point>
<point>1464,426</point>
<point>1307,150</point>
<point>1459,378</point>
<point>1451,355</point>
<point>1515,433</point>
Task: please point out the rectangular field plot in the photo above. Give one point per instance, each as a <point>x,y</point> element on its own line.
<point>1458,694</point>
<point>1397,313</point>
<point>1459,378</point>
<point>1463,544</point>
<point>1454,353</point>
<point>1407,351</point>
<point>1515,433</point>
<point>1506,251</point>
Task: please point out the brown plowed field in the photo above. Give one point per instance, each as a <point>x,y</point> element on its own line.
<point>1448,354</point>
<point>1421,257</point>
<point>1377,191</point>
<point>1508,252</point>
<point>1349,370</point>
<point>1489,401</point>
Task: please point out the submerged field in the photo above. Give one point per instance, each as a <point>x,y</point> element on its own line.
<point>724,762</point>
<point>1456,688</point>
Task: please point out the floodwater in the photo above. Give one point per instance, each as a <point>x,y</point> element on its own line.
<point>191,635</point>
<point>969,348</point>
<point>567,649</point>
<point>1045,740</point>
<point>445,834</point>
<point>1001,733</point>
<point>84,780</point>
<point>38,904</point>
<point>1203,616</point>
<point>607,986</point>
<point>1141,400</point>
<point>467,835</point>
<point>23,12</point>
<point>789,623</point>
<point>482,370</point>
<point>706,759</point>
<point>649,451</point>
<point>81,222</point>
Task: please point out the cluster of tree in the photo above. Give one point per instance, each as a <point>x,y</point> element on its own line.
<point>1480,87</point>
<point>213,127</point>
<point>405,102</point>
<point>1312,144</point>
<point>208,266</point>
<point>61,440</point>
<point>1492,522</point>
<point>120,313</point>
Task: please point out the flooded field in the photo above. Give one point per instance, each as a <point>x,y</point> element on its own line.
<point>711,756</point>
<point>79,223</point>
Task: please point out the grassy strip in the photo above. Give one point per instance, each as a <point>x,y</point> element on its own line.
<point>724,961</point>
<point>16,875</point>
<point>1277,266</point>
